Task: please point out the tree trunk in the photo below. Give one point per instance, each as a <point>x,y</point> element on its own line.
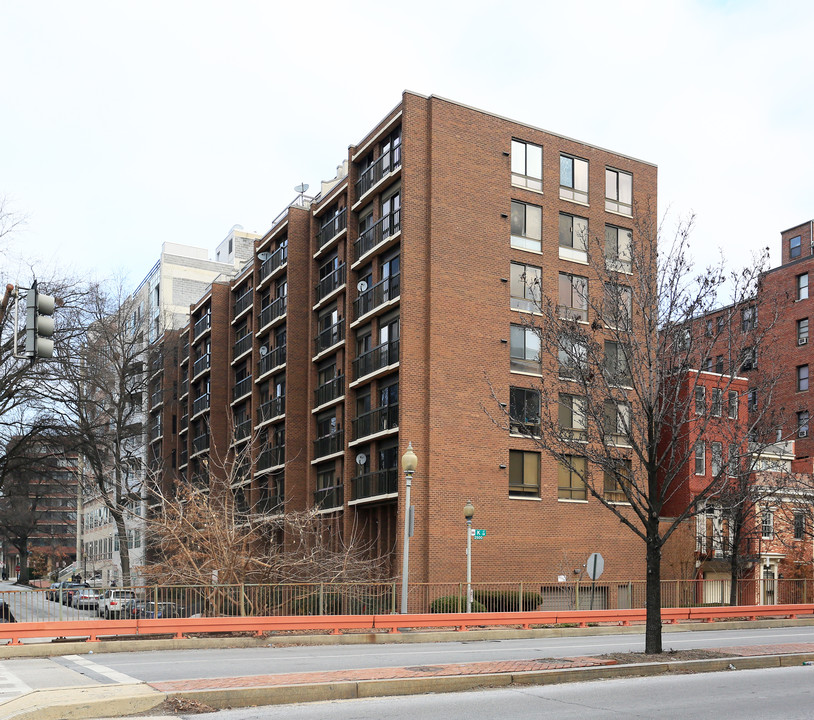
<point>124,548</point>
<point>652,636</point>
<point>22,576</point>
<point>734,560</point>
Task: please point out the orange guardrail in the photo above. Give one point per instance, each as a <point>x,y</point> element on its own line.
<point>92,630</point>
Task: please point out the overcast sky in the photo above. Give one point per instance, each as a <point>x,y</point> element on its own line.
<point>127,124</point>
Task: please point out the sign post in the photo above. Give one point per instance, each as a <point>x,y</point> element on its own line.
<point>594,567</point>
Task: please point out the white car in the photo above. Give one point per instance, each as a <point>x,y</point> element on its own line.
<point>116,603</point>
<point>85,598</point>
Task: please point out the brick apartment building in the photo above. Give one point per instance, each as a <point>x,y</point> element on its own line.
<point>373,315</point>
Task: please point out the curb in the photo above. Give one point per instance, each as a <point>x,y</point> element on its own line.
<point>83,703</point>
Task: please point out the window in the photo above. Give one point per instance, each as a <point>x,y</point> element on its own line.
<point>617,309</point>
<point>794,247</point>
<point>733,461</point>
<point>802,423</point>
<point>749,358</point>
<point>571,479</point>
<point>524,411</point>
<point>717,458</point>
<point>617,368</point>
<point>732,404</point>
<point>802,331</point>
<point>700,400</point>
<point>572,354</point>
<point>710,328</point>
<point>618,249</point>
<point>767,524</point>
<point>706,364</point>
<point>802,378</point>
<point>573,297</point>
<point>618,192</point>
<point>799,525</point>
<point>802,286</point>
<point>573,179</point>
<point>617,422</point>
<point>719,364</point>
<point>527,165</point>
<point>700,458</point>
<point>749,318</point>
<point>616,478</point>
<point>525,349</point>
<point>525,287</point>
<point>571,413</point>
<point>573,238</point>
<point>527,226</point>
<point>752,400</point>
<point>717,402</point>
<point>524,473</point>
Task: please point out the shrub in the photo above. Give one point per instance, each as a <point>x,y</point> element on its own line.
<point>507,600</point>
<point>454,604</point>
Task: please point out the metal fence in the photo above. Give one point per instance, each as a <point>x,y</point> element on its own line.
<point>157,601</point>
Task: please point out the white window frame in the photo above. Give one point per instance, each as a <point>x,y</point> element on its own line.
<point>619,192</point>
<point>527,178</point>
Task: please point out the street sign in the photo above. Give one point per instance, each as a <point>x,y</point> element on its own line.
<point>478,533</point>
<point>595,565</point>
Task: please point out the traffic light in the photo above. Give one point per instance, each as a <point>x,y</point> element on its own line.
<point>39,325</point>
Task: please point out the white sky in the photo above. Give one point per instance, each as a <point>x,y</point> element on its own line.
<point>127,124</point>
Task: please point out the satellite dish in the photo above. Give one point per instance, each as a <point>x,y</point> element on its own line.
<point>301,188</point>
<point>263,351</point>
<point>361,286</point>
<point>264,256</point>
<point>361,459</point>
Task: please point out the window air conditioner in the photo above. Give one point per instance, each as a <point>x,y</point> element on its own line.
<point>802,341</point>
<point>802,433</point>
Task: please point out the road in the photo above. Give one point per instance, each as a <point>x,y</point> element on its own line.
<point>778,693</point>
<point>29,605</point>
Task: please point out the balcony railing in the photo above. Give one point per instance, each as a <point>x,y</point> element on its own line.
<point>201,364</point>
<point>375,421</point>
<point>329,336</point>
<point>183,423</point>
<point>386,163</point>
<point>155,428</point>
<point>243,428</point>
<point>378,233</point>
<point>271,409</point>
<point>242,387</point>
<point>183,457</point>
<point>185,351</point>
<point>271,502</point>
<point>273,310</point>
<point>372,484</point>
<point>243,302</point>
<point>333,280</point>
<point>331,497</point>
<point>242,345</point>
<point>200,443</point>
<point>183,387</point>
<point>330,390</point>
<point>271,457</point>
<point>157,398</point>
<point>375,359</point>
<point>329,444</point>
<point>278,258</point>
<point>202,324</point>
<point>383,291</point>
<point>272,359</point>
<point>333,227</point>
<point>200,404</point>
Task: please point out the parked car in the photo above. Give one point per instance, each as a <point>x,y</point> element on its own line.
<point>117,603</point>
<point>85,598</point>
<point>52,591</point>
<point>68,589</point>
<point>5,612</point>
<point>158,610</point>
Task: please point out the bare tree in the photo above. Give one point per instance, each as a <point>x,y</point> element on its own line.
<point>615,403</point>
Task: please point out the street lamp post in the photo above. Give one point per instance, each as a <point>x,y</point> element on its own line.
<point>409,462</point>
<point>469,513</point>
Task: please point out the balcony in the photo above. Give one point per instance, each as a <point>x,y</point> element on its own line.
<point>183,458</point>
<point>274,262</point>
<point>274,310</point>
<point>329,444</point>
<point>271,457</point>
<point>329,336</point>
<point>202,325</point>
<point>272,359</point>
<point>241,388</point>
<point>242,346</point>
<point>157,398</point>
<point>383,291</point>
<point>271,409</point>
<point>200,404</point>
<point>243,429</point>
<point>376,421</point>
<point>332,228</point>
<point>200,443</point>
<point>375,484</point>
<point>379,357</point>
<point>155,429</point>
<point>271,502</point>
<point>387,163</point>
<point>183,423</point>
<point>332,497</point>
<point>201,364</point>
<point>330,282</point>
<point>388,226</point>
<point>243,303</point>
<point>183,388</point>
<point>329,391</point>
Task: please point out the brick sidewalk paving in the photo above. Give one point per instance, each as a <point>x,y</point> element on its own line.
<point>390,673</point>
<point>450,670</point>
